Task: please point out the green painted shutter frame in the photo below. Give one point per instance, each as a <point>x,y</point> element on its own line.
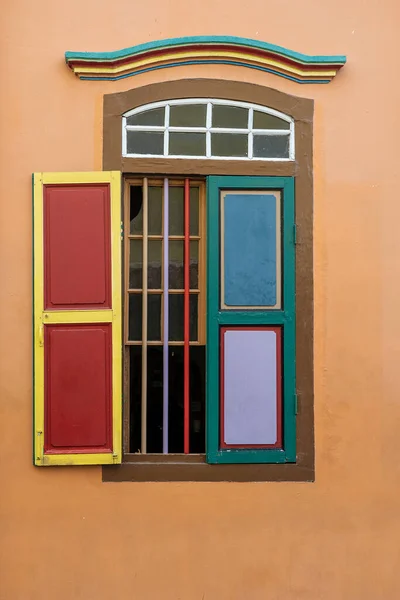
<point>283,317</point>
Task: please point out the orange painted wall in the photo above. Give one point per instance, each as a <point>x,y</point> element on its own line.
<point>64,534</point>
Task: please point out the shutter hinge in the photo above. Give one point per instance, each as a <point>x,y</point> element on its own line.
<point>296,404</point>
<point>294,234</point>
<point>122,230</point>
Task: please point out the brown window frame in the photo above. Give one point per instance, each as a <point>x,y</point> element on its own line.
<point>194,467</point>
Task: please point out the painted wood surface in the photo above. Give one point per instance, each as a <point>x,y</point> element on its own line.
<point>250,387</point>
<point>77,348</point>
<point>78,388</point>
<point>218,319</point>
<point>228,50</point>
<point>77,247</point>
<point>250,257</point>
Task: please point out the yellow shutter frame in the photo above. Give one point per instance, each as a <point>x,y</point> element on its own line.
<point>42,317</point>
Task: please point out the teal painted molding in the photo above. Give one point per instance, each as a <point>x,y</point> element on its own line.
<point>206,39</point>
<point>224,49</point>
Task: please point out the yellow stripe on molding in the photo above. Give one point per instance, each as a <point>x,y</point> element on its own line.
<point>132,70</point>
<point>174,52</point>
<point>244,57</point>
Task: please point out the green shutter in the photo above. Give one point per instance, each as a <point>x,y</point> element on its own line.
<point>283,318</point>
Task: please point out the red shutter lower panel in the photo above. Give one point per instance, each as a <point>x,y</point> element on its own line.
<point>77,318</point>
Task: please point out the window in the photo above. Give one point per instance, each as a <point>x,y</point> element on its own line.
<point>250,322</point>
<point>204,128</point>
<point>205,320</point>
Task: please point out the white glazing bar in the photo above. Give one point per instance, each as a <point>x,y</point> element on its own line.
<point>208,126</point>
<point>165,318</point>
<point>145,127</point>
<point>124,144</point>
<point>202,157</point>
<point>272,131</point>
<point>166,116</point>
<point>291,142</point>
<point>204,129</point>
<point>250,140</point>
<point>238,130</point>
<point>166,132</point>
<point>144,316</point>
<point>188,129</point>
<point>215,101</point>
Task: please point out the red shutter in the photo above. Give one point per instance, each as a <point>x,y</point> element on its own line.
<point>77,318</point>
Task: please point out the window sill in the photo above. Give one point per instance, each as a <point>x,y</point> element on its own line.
<point>193,467</point>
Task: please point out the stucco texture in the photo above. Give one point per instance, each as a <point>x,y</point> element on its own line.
<point>65,534</point>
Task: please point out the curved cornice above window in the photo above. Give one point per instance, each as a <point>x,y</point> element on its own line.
<point>226,50</point>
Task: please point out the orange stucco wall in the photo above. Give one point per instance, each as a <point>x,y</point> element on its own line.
<point>66,535</point>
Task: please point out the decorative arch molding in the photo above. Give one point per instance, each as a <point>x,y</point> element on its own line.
<point>227,50</point>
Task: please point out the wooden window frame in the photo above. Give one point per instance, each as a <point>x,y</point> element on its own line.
<point>194,467</point>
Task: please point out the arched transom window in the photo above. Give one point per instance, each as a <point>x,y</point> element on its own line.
<point>208,128</point>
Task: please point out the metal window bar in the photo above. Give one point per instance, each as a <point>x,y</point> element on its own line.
<point>144,314</point>
<point>187,291</point>
<point>165,318</point>
<point>186,317</point>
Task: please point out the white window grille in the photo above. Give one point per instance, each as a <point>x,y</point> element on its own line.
<point>208,128</point>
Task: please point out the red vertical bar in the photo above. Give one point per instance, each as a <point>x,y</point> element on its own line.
<point>186,407</point>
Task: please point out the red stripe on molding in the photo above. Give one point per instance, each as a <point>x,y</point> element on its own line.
<point>258,54</point>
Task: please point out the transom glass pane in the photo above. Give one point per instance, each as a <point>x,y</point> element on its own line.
<point>188,115</point>
<point>229,144</point>
<point>188,144</point>
<point>152,117</point>
<point>144,142</point>
<point>271,146</point>
<point>263,120</point>
<point>230,116</point>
